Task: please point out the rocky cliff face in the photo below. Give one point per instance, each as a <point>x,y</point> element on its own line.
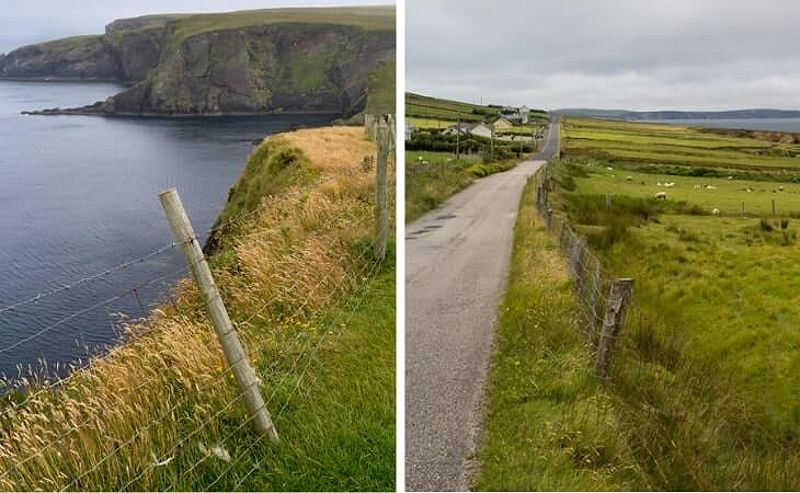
<point>84,58</point>
<point>278,67</point>
<point>262,69</point>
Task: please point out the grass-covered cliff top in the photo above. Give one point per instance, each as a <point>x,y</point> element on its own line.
<point>316,315</point>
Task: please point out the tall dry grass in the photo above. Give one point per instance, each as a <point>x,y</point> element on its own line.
<point>165,396</point>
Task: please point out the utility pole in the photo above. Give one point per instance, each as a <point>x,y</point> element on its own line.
<point>458,136</point>
<point>491,145</point>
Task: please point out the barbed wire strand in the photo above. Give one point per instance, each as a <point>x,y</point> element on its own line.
<point>275,389</point>
<point>45,294</point>
<point>297,385</point>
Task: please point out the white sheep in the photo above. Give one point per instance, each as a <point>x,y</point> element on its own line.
<point>659,184</point>
<point>710,187</point>
<point>669,185</point>
<point>609,168</point>
<point>660,196</point>
<point>715,212</point>
<point>629,178</point>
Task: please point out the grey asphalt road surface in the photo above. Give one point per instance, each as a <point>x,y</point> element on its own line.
<point>457,259</point>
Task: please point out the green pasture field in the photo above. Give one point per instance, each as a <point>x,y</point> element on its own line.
<point>728,196</point>
<point>651,144</point>
<point>707,371</point>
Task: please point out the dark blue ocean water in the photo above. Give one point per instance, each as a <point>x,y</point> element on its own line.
<point>79,194</point>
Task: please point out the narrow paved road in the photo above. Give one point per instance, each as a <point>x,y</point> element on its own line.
<point>457,261</point>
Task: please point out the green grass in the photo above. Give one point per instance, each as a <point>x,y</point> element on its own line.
<point>444,109</point>
<point>430,122</point>
<point>705,378</point>
<point>653,146</point>
<point>381,94</point>
<point>338,432</point>
<point>727,197</point>
<point>429,185</point>
<point>549,425</point>
<point>316,316</point>
<point>370,18</point>
<point>72,42</point>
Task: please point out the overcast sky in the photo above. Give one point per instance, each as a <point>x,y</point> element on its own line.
<point>630,54</point>
<point>30,21</point>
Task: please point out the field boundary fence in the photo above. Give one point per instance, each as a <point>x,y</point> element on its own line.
<point>366,263</point>
<point>601,299</point>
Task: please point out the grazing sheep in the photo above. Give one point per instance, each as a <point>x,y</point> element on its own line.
<point>669,185</point>
<point>609,168</point>
<point>419,158</point>
<point>629,178</point>
<point>710,187</point>
<point>730,178</point>
<point>780,188</point>
<point>660,196</point>
<point>659,184</point>
<point>715,212</point>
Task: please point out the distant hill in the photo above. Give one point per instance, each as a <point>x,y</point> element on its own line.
<point>420,106</point>
<point>678,115</point>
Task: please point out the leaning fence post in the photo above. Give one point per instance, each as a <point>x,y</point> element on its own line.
<point>235,356</point>
<point>618,300</point>
<point>381,189</point>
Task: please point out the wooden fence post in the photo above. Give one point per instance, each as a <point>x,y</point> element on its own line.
<point>618,300</point>
<point>235,356</point>
<point>381,189</point>
<point>369,125</point>
<point>594,289</point>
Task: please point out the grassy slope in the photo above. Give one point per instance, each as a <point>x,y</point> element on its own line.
<point>295,277</point>
<point>381,93</point>
<point>549,425</point>
<point>705,380</point>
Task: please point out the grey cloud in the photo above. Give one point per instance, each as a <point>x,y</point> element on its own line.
<point>639,54</point>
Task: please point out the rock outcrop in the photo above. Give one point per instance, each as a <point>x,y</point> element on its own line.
<point>260,68</point>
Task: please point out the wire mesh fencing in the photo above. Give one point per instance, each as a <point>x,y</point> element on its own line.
<point>125,437</point>
<point>601,300</point>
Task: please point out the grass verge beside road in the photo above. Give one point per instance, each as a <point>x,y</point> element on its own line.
<point>549,425</point>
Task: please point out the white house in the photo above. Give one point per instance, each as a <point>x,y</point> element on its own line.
<point>410,129</point>
<point>479,129</point>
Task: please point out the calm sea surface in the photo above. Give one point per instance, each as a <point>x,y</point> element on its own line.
<point>777,124</point>
<point>79,195</point>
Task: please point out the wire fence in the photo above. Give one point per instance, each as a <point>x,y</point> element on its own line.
<point>284,376</point>
<point>601,299</point>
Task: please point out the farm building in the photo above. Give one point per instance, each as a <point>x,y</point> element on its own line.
<point>502,123</point>
<point>478,129</point>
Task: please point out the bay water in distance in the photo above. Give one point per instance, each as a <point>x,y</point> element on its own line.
<point>79,195</point>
